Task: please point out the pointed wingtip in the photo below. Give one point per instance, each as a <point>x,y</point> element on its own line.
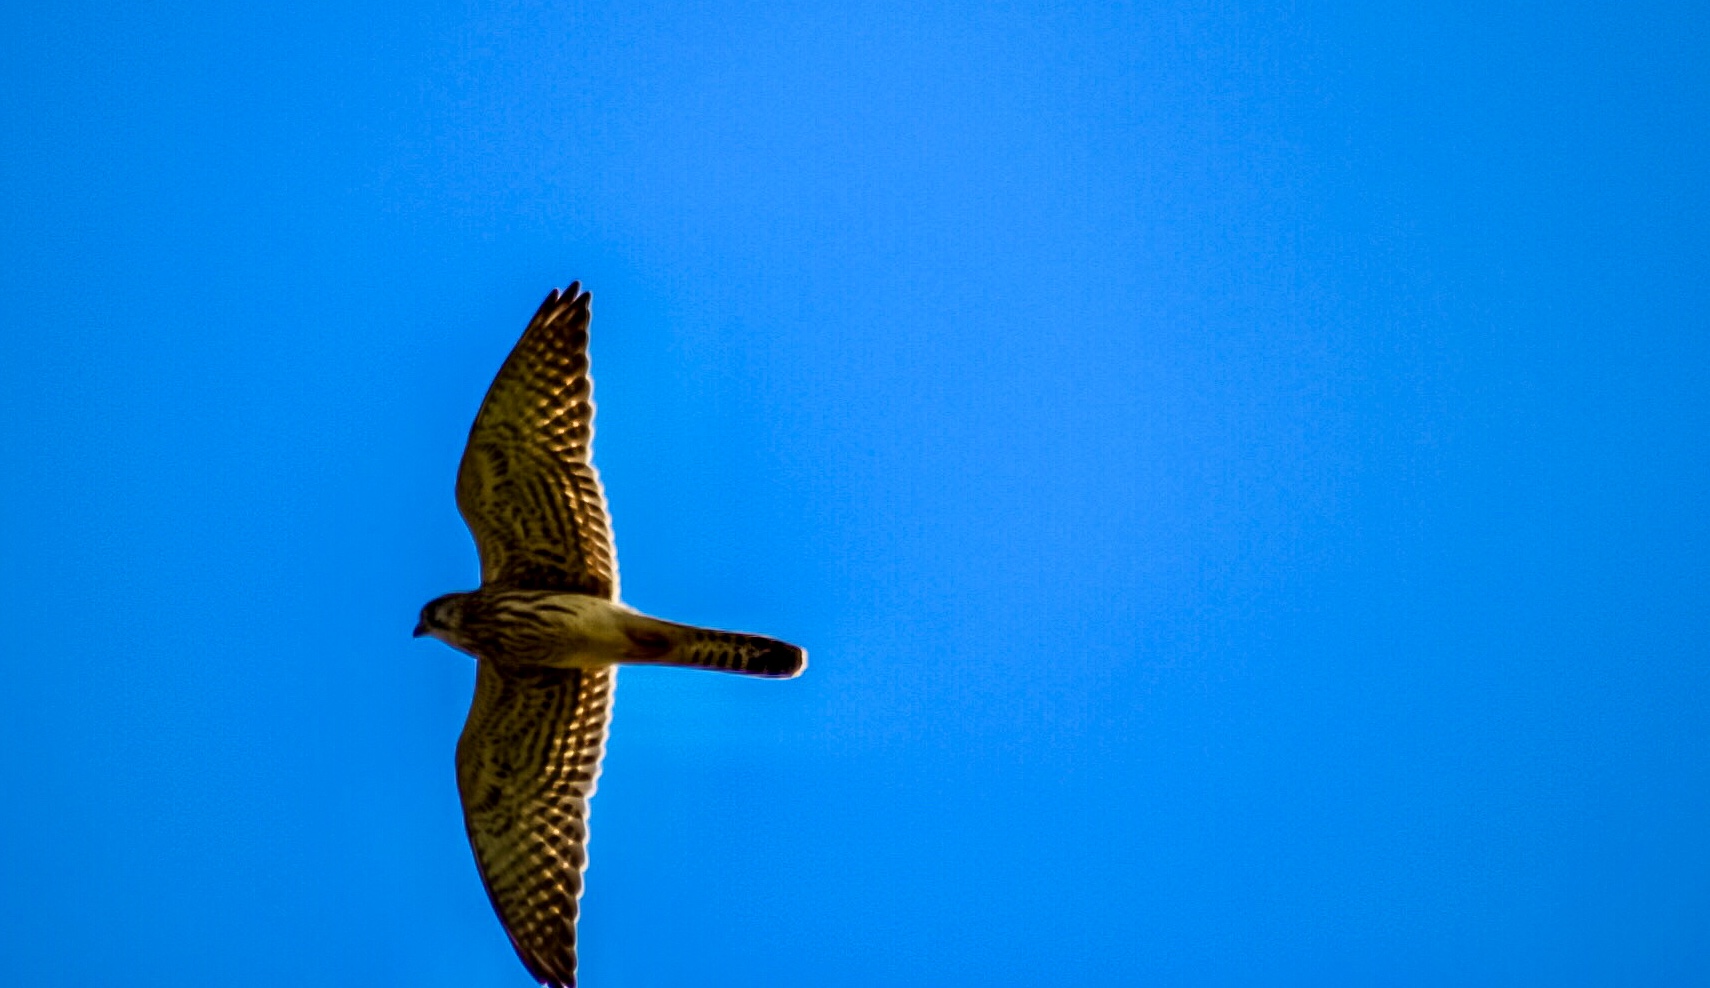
<point>569,296</point>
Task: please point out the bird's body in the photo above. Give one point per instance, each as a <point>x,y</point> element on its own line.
<point>547,631</point>
<point>517,629</point>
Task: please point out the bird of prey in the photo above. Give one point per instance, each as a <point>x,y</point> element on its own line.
<point>547,631</point>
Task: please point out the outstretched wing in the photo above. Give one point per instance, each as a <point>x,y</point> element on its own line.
<point>527,486</point>
<point>526,766</point>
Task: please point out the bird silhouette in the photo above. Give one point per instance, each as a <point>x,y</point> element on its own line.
<point>548,631</point>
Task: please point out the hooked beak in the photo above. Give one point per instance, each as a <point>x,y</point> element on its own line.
<point>421,629</point>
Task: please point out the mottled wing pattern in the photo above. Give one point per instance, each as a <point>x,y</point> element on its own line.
<point>527,486</point>
<point>527,764</point>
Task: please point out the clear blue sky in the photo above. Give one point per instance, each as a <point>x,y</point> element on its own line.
<point>1238,469</point>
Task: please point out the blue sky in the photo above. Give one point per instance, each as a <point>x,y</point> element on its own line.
<point>1238,471</point>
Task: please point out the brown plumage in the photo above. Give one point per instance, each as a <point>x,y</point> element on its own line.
<point>547,630</point>
<point>527,486</point>
<point>526,766</point>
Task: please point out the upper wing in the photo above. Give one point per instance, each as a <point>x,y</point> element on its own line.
<point>527,486</point>
<point>526,766</point>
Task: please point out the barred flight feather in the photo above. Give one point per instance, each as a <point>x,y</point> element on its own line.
<point>527,484</point>
<point>527,764</point>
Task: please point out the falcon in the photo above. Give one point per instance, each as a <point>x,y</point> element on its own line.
<point>548,631</point>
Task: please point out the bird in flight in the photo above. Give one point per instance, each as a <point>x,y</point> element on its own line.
<point>548,632</point>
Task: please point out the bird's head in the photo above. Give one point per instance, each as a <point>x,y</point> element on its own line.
<point>442,618</point>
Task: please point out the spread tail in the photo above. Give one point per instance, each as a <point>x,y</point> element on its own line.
<point>663,643</point>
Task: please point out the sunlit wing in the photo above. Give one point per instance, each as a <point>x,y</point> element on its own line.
<point>527,764</point>
<point>527,486</point>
